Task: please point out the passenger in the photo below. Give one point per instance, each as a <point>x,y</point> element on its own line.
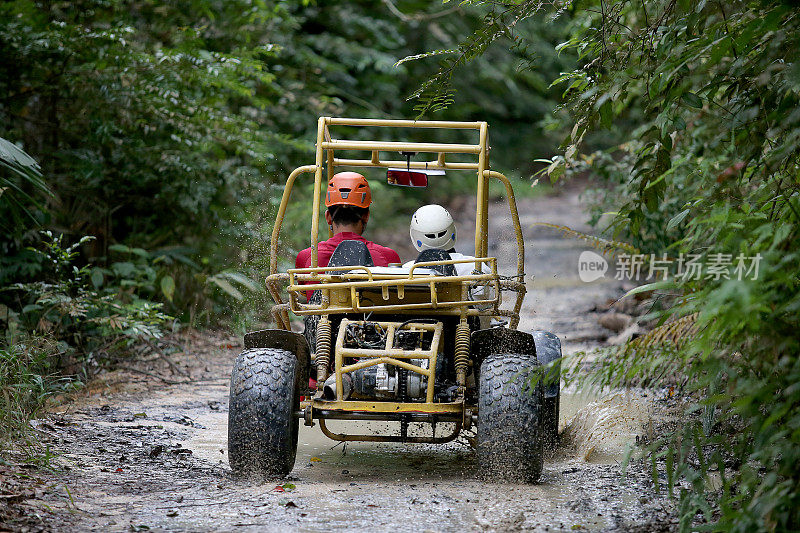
<point>348,199</point>
<point>432,228</point>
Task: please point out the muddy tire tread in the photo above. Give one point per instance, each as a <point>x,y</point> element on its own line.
<point>510,440</point>
<point>262,426</point>
<point>548,350</point>
<point>550,410</point>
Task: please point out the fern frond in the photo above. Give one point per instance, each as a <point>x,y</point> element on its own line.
<point>424,56</point>
<point>604,246</point>
<point>652,359</point>
<point>436,93</point>
<point>672,334</point>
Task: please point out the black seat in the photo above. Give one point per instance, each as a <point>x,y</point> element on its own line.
<point>349,253</point>
<point>437,255</point>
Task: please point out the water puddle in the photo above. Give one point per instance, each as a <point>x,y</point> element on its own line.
<point>594,428</point>
<point>415,487</point>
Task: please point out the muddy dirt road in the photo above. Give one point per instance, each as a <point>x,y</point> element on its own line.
<point>147,451</point>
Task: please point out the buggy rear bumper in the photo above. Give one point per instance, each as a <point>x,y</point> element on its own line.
<point>454,412</point>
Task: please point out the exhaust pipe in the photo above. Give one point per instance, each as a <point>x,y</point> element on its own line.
<point>329,387</point>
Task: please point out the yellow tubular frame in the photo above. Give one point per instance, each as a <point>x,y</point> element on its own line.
<point>326,147</point>
<point>329,278</point>
<point>347,289</point>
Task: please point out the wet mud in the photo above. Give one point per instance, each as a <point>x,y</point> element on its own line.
<point>147,450</point>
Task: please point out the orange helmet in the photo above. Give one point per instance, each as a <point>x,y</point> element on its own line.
<point>348,188</point>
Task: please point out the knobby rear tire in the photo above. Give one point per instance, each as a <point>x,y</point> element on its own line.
<point>509,434</point>
<point>548,352</point>
<point>550,414</point>
<point>262,424</point>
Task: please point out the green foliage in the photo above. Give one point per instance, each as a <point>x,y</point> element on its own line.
<point>704,97</point>
<point>436,93</point>
<point>18,172</point>
<point>132,112</point>
<point>88,323</point>
<point>61,327</point>
<point>500,73</point>
<point>604,246</point>
<point>650,230</point>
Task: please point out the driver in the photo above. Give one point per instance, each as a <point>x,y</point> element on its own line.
<point>348,199</point>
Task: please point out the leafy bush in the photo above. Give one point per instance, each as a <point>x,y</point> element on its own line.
<point>89,324</point>
<point>706,97</point>
<point>62,327</point>
<point>20,181</point>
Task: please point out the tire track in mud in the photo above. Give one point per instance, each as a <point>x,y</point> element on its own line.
<point>140,454</point>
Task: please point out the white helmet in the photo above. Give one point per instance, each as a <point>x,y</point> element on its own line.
<point>432,227</point>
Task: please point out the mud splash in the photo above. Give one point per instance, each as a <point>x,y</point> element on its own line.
<point>382,486</point>
<point>606,430</point>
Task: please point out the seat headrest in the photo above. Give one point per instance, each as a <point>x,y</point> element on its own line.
<point>349,253</point>
<point>435,254</point>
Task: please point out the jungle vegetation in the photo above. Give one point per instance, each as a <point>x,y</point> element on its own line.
<point>163,130</point>
<point>699,103</point>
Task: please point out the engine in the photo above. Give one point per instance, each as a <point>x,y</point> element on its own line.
<point>384,381</point>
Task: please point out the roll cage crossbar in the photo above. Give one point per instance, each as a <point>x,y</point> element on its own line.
<point>327,162</point>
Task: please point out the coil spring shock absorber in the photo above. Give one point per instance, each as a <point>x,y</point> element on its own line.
<point>323,354</point>
<point>461,358</point>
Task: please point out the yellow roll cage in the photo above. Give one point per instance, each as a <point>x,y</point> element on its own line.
<point>331,282</point>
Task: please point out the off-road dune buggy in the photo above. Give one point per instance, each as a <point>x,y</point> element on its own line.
<point>418,344</point>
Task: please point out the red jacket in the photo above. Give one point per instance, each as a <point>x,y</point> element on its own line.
<point>381,255</point>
